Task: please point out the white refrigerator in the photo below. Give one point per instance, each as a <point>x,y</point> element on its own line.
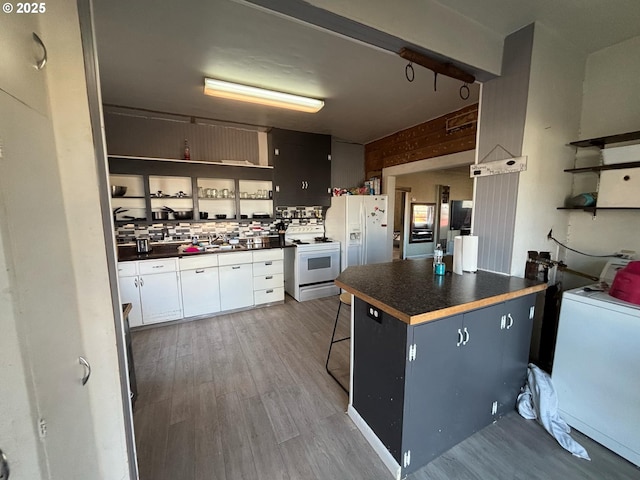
<point>359,223</point>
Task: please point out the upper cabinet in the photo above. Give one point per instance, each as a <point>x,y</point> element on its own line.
<point>160,190</point>
<point>302,168</point>
<point>23,57</point>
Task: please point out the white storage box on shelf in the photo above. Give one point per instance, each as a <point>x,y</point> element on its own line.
<point>619,188</point>
<point>626,154</point>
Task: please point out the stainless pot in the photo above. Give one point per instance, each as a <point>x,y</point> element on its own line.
<point>183,215</point>
<point>160,215</point>
<point>142,245</point>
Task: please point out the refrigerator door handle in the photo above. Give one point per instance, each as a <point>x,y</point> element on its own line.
<point>363,235</point>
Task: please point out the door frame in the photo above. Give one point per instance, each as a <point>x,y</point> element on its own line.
<point>94,97</point>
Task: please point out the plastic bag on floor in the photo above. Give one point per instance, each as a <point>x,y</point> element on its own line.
<point>538,401</point>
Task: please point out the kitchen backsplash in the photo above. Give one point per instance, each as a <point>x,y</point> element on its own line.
<point>158,231</point>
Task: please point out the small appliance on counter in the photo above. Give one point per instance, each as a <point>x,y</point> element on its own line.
<point>143,245</point>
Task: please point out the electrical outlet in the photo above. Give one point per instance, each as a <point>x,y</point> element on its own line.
<point>628,254</point>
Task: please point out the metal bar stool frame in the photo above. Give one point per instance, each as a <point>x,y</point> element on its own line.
<point>346,299</point>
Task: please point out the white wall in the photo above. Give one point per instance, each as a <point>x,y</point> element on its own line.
<point>389,176</point>
<point>611,105</point>
<point>551,122</point>
<point>347,164</point>
<point>428,24</point>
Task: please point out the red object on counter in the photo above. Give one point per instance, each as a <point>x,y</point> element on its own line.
<point>626,284</point>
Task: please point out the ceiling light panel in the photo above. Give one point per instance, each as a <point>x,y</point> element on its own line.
<point>246,93</point>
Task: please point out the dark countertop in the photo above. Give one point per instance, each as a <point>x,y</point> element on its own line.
<point>159,251</point>
<point>409,290</point>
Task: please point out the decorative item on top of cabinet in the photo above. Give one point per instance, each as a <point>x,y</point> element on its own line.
<point>618,183</point>
<point>302,173</point>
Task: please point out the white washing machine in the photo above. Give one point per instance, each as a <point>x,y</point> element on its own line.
<point>596,368</point>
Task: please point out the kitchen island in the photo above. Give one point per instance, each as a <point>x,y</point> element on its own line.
<point>434,358</point>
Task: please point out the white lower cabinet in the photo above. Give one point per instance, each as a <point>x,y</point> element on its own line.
<point>268,276</point>
<point>200,285</point>
<point>130,293</point>
<point>170,289</point>
<point>236,279</point>
<point>155,297</point>
<point>160,297</point>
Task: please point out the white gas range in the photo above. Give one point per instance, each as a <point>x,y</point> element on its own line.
<point>313,265</point>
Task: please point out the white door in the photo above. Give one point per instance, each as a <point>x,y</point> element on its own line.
<point>236,286</point>
<point>160,297</point>
<point>55,300</point>
<point>200,291</point>
<point>130,293</point>
<point>41,302</point>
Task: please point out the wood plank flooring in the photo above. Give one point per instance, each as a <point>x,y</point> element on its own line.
<point>246,396</point>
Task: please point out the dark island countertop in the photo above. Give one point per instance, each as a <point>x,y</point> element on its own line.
<point>128,253</point>
<point>409,290</point>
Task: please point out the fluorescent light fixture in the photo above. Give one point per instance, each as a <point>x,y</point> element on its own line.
<point>245,93</point>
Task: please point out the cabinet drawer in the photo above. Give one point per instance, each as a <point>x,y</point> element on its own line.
<point>269,254</point>
<point>146,267</point>
<point>127,269</point>
<point>202,261</point>
<point>269,267</point>
<point>234,258</point>
<point>268,281</point>
<point>269,295</point>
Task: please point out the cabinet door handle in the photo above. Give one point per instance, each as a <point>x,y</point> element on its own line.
<point>268,263</point>
<point>510,324</point>
<point>43,61</point>
<point>87,367</point>
<point>459,338</point>
<point>141,282</point>
<point>235,268</point>
<point>270,277</point>
<point>200,271</point>
<point>466,336</point>
<point>135,282</point>
<point>302,185</point>
<point>269,291</point>
<point>158,266</point>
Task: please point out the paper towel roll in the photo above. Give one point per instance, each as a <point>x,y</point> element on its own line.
<point>470,253</point>
<point>465,254</point>
<point>457,255</point>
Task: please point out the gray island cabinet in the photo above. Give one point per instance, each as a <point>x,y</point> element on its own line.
<point>434,359</point>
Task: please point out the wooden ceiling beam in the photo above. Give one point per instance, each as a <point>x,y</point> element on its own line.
<point>447,69</point>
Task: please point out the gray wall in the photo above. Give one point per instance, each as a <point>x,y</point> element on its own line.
<point>347,164</point>
<point>163,138</point>
<point>503,108</point>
